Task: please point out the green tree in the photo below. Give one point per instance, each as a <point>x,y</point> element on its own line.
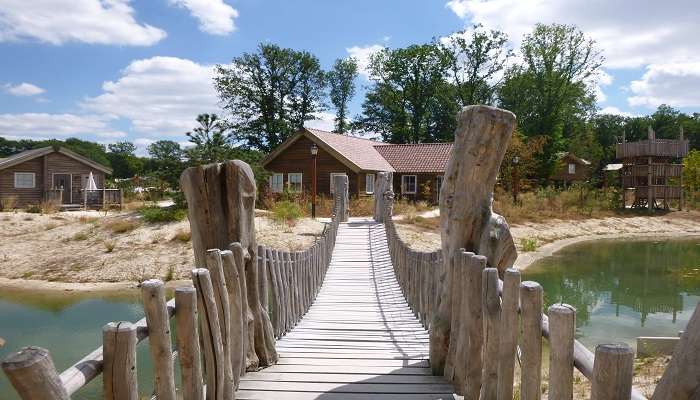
<point>125,163</point>
<point>691,174</point>
<point>552,91</point>
<point>166,161</point>
<point>341,80</point>
<point>269,94</point>
<point>210,140</point>
<point>477,58</point>
<point>410,101</point>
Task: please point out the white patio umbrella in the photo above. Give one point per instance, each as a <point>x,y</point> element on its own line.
<point>90,186</point>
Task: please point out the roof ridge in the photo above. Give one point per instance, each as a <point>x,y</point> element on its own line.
<point>417,144</point>
<point>344,135</point>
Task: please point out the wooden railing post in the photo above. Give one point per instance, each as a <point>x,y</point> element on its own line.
<point>510,326</point>
<point>119,361</point>
<point>189,353</point>
<point>562,328</point>
<point>340,186</point>
<point>211,334</point>
<point>491,303</point>
<point>239,317</point>
<point>612,372</point>
<point>531,298</point>
<point>33,375</point>
<point>158,320</point>
<point>382,185</point>
<point>216,272</point>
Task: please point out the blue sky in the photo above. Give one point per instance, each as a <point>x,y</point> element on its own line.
<point>109,70</point>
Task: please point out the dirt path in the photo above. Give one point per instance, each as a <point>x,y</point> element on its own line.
<point>81,251</point>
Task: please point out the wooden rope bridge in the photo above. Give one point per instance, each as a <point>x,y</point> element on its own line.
<point>359,314</point>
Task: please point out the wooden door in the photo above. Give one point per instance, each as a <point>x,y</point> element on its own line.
<point>63,181</point>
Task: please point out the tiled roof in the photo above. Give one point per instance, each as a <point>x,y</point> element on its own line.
<point>359,151</point>
<point>422,157</point>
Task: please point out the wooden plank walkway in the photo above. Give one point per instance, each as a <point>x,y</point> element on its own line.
<point>359,339</point>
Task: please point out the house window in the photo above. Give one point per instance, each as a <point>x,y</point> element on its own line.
<point>409,184</point>
<point>294,181</point>
<point>25,180</point>
<point>276,183</point>
<point>333,175</point>
<point>572,169</point>
<point>369,183</point>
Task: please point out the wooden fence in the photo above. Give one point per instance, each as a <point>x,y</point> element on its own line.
<point>219,336</point>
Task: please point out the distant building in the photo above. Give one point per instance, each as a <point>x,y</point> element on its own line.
<point>418,169</point>
<point>50,173</point>
<point>571,168</point>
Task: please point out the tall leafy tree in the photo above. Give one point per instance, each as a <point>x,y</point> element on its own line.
<point>341,80</point>
<point>122,157</point>
<point>410,101</point>
<point>552,90</point>
<point>166,161</point>
<point>210,140</point>
<point>477,59</point>
<point>269,94</point>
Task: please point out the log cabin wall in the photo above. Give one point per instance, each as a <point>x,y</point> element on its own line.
<point>58,163</point>
<point>297,158</point>
<point>24,197</point>
<point>581,173</point>
<point>425,181</point>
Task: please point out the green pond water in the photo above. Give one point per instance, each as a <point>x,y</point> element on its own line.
<point>69,326</point>
<point>623,289</point>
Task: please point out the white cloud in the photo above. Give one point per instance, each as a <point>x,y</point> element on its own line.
<point>629,37</point>
<point>23,89</point>
<point>615,111</point>
<point>325,121</point>
<point>362,55</point>
<point>672,83</point>
<point>43,125</point>
<point>88,21</point>
<point>214,16</point>
<point>159,95</point>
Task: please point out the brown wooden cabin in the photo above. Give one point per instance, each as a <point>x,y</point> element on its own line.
<point>54,174</point>
<point>571,168</point>
<point>653,170</point>
<point>417,169</point>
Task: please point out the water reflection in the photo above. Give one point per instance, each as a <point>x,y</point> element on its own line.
<point>624,289</point>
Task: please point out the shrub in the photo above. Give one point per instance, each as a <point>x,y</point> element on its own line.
<point>121,226</point>
<point>48,207</point>
<point>153,214</point>
<point>286,212</point>
<point>183,235</point>
<point>33,208</point>
<point>528,244</point>
<point>170,275</point>
<point>362,206</point>
<point>109,246</point>
<point>8,203</point>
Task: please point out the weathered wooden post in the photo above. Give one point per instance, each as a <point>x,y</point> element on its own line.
<point>158,320</point>
<point>510,326</point>
<point>211,333</point>
<point>189,353</point>
<point>382,185</point>
<point>466,217</point>
<point>531,297</point>
<point>119,361</point>
<point>239,320</point>
<point>562,329</point>
<point>612,372</point>
<point>491,304</point>
<point>681,381</point>
<point>216,272</point>
<point>221,210</point>
<point>33,375</point>
<point>340,186</point>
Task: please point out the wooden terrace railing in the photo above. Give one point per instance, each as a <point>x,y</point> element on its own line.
<point>653,148</point>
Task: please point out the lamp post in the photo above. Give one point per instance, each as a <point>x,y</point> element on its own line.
<point>516,182</point>
<point>314,153</point>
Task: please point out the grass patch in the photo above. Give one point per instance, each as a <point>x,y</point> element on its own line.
<point>50,226</point>
<point>8,203</point>
<point>33,209</point>
<point>170,275</point>
<point>154,214</point>
<point>80,236</point>
<point>121,226</point>
<point>28,218</point>
<point>109,245</point>
<point>84,219</point>
<point>528,244</point>
<point>182,235</point>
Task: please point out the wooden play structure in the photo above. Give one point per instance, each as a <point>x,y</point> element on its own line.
<point>653,170</point>
<point>360,314</point>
